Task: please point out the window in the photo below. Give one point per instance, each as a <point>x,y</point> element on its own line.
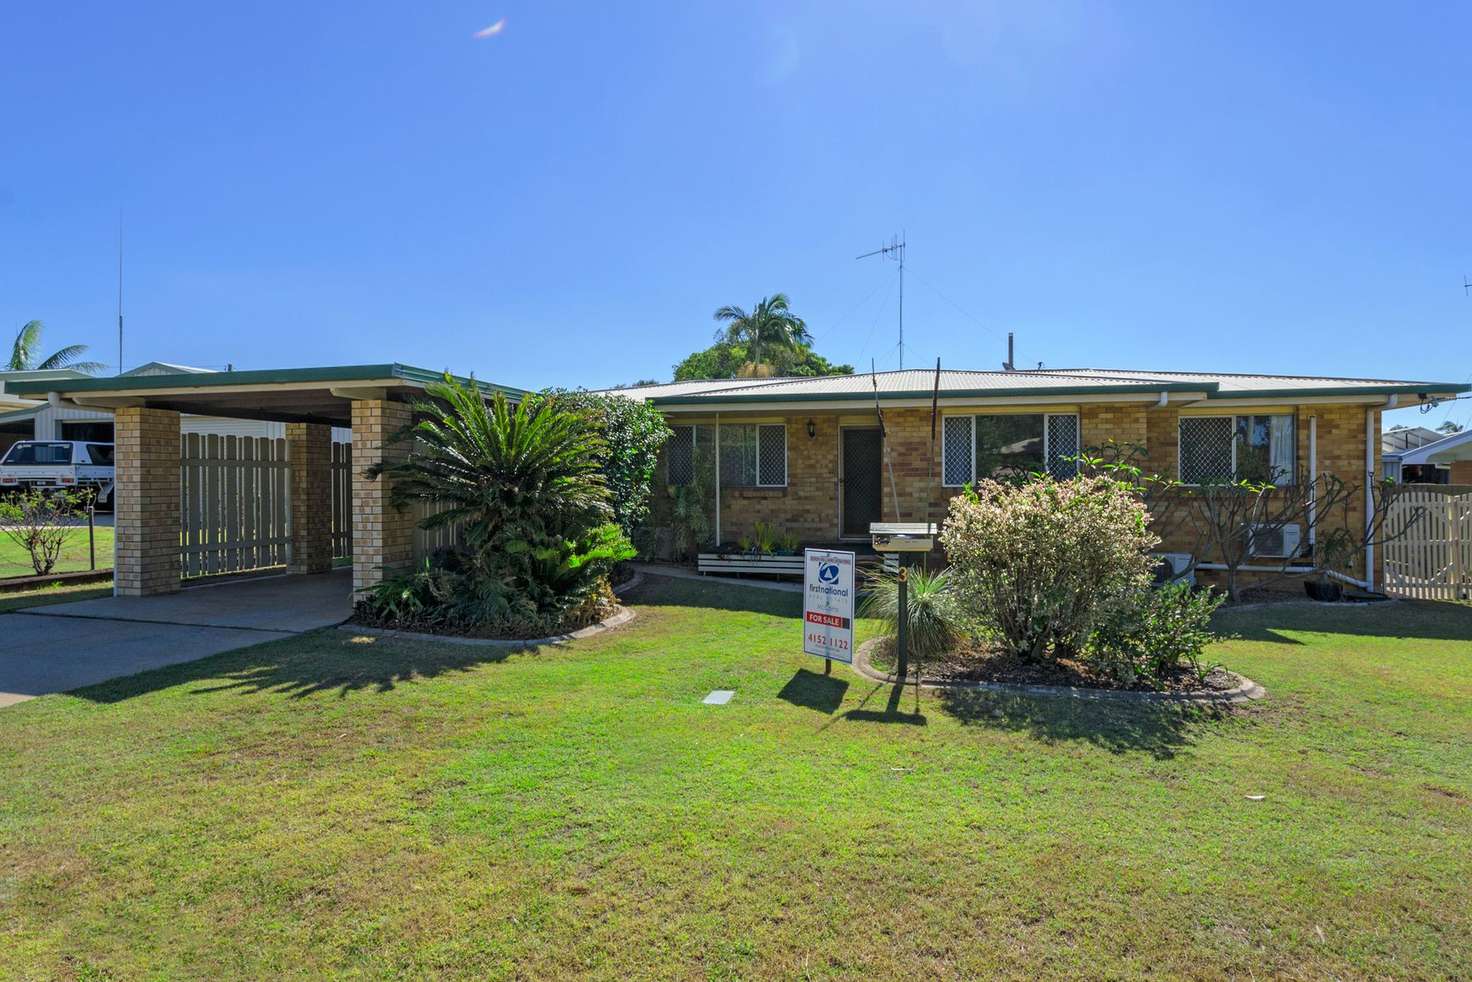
<point>754,455</point>
<point>101,454</point>
<point>1006,445</point>
<point>39,454</point>
<point>1215,449</point>
<point>680,456</point>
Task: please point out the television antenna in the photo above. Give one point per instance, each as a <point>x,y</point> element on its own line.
<point>895,250</point>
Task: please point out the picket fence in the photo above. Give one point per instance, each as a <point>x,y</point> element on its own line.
<point>1433,560</point>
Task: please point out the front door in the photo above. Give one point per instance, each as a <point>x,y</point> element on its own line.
<point>863,452</point>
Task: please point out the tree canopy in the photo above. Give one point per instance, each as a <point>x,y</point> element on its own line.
<point>25,353</point>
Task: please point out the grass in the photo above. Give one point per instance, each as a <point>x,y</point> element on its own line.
<point>59,593</point>
<point>15,561</point>
<point>333,805</point>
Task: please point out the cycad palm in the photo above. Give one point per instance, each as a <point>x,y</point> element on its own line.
<point>524,485</point>
<point>771,328</point>
<point>25,353</point>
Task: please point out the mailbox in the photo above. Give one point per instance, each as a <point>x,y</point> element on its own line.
<point>902,536</point>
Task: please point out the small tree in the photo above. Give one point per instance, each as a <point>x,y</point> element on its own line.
<point>37,522</point>
<point>1042,563</point>
<point>633,432</point>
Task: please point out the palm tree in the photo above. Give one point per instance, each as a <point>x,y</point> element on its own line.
<point>771,324</point>
<point>25,353</point>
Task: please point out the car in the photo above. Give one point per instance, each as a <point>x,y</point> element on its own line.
<point>60,465</point>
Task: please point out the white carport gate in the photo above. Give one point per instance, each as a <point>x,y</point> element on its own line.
<point>1433,561</point>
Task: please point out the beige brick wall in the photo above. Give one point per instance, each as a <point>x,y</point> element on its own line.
<point>147,501</point>
<point>383,536</point>
<point>309,452</point>
<point>808,506</point>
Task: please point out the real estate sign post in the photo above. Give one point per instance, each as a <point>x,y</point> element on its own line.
<point>828,605</point>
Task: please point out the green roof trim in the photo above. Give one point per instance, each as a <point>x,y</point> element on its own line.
<point>1136,388</point>
<point>407,374</point>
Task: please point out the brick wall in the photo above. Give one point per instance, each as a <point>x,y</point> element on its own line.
<point>383,536</point>
<point>146,501</point>
<point>309,453</point>
<point>808,506</point>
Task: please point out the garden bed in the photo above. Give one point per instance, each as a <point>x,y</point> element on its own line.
<point>981,668</point>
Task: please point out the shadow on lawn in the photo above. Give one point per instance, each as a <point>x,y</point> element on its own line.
<point>1424,619</point>
<point>335,661</point>
<point>810,690</point>
<point>665,591</point>
<point>893,711</point>
<point>1159,729</point>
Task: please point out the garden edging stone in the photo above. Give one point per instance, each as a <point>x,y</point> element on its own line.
<point>620,617</point>
<point>1245,690</point>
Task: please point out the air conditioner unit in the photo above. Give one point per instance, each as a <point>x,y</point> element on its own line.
<point>1279,542</point>
<point>1175,567</point>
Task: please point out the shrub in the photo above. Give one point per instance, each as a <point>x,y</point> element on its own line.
<point>526,488</point>
<point>38,523</point>
<point>1039,565</point>
<point>632,434</point>
<point>1154,635</point>
<point>933,620</point>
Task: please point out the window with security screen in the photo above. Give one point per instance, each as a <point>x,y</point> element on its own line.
<point>753,455</point>
<point>1062,446</point>
<point>1007,446</point>
<point>680,456</point>
<point>956,450</point>
<point>1220,449</point>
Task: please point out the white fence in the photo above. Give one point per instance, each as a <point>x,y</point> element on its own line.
<point>342,501</point>
<point>234,510</point>
<point>1433,561</point>
<point>235,503</point>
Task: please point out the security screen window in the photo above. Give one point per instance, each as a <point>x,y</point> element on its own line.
<point>754,455</point>
<point>680,456</point>
<point>1007,446</point>
<point>1219,449</point>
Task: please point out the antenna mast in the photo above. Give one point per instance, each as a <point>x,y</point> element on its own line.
<point>120,291</point>
<point>895,250</point>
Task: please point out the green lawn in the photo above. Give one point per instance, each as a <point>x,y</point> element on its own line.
<point>15,561</point>
<point>340,805</point>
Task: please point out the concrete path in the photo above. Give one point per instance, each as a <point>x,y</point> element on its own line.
<point>65,646</point>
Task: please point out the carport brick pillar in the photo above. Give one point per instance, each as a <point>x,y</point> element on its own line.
<point>309,453</point>
<point>146,501</point>
<point>383,536</point>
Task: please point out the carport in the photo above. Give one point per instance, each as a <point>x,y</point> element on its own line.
<point>373,400</point>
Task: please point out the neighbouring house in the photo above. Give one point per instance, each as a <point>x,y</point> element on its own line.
<point>808,456</point>
<point>1416,455</point>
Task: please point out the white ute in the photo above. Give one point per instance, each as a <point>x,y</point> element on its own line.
<point>60,465</point>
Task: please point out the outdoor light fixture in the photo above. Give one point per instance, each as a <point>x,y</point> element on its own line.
<point>812,428</point>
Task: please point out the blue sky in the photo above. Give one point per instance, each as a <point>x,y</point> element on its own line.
<point>1153,185</point>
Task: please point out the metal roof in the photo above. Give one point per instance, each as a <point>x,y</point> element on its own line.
<point>333,374</point>
<point>1457,446</point>
<point>1232,384</point>
<point>920,383</point>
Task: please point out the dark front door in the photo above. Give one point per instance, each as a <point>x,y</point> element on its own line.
<point>863,451</point>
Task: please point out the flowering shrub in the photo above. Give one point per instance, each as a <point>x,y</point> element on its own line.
<point>1041,564</point>
<point>1153,636</point>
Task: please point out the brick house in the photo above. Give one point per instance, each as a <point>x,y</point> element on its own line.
<point>807,455</point>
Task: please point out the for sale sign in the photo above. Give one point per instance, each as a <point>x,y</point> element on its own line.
<point>828,604</point>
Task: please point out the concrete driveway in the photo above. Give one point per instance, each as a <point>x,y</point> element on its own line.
<point>66,646</point>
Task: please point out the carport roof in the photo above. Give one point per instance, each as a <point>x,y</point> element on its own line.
<point>313,395</point>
